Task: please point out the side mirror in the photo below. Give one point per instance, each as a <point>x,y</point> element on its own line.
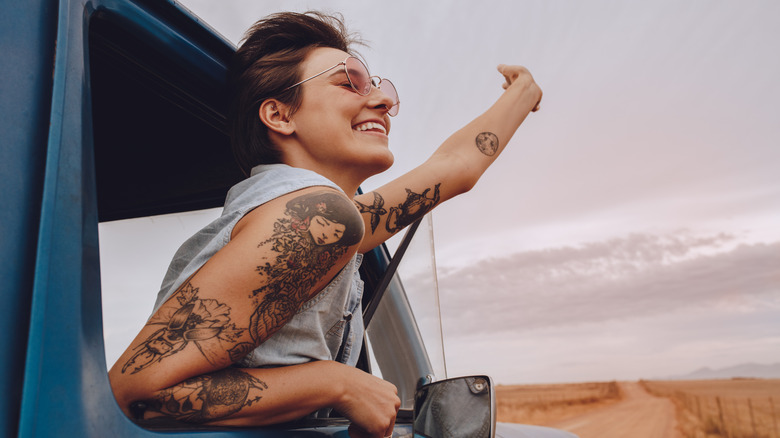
<point>463,407</point>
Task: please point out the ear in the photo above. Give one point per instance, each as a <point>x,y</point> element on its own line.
<point>275,115</point>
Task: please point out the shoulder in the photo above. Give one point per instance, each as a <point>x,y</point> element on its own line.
<point>326,214</point>
<point>298,242</point>
<point>271,181</point>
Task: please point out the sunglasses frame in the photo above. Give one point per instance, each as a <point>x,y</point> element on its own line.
<point>352,84</point>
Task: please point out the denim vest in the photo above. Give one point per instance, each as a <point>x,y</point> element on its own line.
<point>327,327</point>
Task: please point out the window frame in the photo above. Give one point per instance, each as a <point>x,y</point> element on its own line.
<point>65,381</point>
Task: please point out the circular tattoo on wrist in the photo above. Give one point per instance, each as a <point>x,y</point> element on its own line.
<point>487,143</point>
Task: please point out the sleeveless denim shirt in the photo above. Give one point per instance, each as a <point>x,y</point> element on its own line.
<point>327,327</point>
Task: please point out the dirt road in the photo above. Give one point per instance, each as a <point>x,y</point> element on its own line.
<point>638,415</point>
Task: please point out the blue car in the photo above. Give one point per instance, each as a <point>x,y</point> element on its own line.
<point>115,109</point>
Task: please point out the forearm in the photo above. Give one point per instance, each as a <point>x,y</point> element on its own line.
<point>455,166</point>
<point>247,396</point>
<point>243,295</point>
<point>473,148</point>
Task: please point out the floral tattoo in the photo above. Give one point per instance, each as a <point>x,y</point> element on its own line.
<point>317,231</point>
<point>203,322</point>
<point>204,398</point>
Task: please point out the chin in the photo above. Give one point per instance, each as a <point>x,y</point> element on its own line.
<point>377,164</point>
<point>385,161</point>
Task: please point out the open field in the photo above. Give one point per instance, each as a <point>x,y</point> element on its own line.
<point>737,408</point>
<point>637,415</point>
<point>546,404</point>
<point>592,410</point>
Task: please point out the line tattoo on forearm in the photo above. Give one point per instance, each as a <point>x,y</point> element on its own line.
<point>414,207</point>
<point>203,322</point>
<point>375,210</point>
<point>204,398</point>
<point>487,143</point>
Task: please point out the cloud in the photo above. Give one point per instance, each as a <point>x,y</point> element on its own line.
<point>644,347</point>
<point>634,276</point>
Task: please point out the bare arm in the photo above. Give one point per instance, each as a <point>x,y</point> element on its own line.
<point>280,255</point>
<point>257,396</point>
<point>455,166</point>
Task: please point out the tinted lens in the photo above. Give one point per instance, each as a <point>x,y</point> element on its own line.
<point>388,88</point>
<point>357,73</point>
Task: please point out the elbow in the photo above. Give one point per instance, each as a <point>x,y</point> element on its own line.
<point>123,397</point>
<point>467,184</point>
<point>128,393</point>
<point>461,186</point>
<point>136,404</point>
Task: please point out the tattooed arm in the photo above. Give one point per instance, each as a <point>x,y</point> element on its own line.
<point>280,255</point>
<point>262,396</point>
<point>455,166</point>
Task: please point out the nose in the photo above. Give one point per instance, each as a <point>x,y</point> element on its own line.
<point>378,99</point>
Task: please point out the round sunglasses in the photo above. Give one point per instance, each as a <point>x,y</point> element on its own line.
<point>361,81</point>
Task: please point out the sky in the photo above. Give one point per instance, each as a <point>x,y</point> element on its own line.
<point>631,228</point>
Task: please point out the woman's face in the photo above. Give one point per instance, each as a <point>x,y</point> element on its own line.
<point>338,129</point>
<point>325,232</point>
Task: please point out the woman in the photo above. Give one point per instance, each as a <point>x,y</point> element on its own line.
<point>258,320</point>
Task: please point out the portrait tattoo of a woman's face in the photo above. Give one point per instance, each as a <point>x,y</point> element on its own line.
<point>316,231</point>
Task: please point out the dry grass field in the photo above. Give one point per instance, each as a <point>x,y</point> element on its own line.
<point>545,405</point>
<point>737,408</point>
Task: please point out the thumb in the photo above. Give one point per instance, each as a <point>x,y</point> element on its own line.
<point>502,68</point>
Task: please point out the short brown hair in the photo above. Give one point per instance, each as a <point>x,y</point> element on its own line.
<point>264,66</point>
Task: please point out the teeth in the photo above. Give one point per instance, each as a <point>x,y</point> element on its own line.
<point>370,125</point>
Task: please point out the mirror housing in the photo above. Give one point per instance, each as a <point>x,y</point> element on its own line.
<point>463,407</point>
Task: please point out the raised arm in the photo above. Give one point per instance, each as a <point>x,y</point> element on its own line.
<point>280,255</point>
<point>455,166</point>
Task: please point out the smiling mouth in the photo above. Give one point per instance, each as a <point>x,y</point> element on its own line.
<point>370,127</point>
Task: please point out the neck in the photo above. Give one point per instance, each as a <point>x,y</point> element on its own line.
<point>348,185</point>
<point>348,181</point>
<point>348,174</point>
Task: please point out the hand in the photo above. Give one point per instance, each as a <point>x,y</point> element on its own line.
<point>370,403</point>
<point>515,74</point>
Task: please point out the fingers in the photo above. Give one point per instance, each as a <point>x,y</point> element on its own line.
<point>508,73</point>
<point>512,72</point>
<point>519,74</point>
<point>389,430</point>
<point>395,405</point>
<point>356,431</point>
<point>371,404</point>
<point>538,102</point>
